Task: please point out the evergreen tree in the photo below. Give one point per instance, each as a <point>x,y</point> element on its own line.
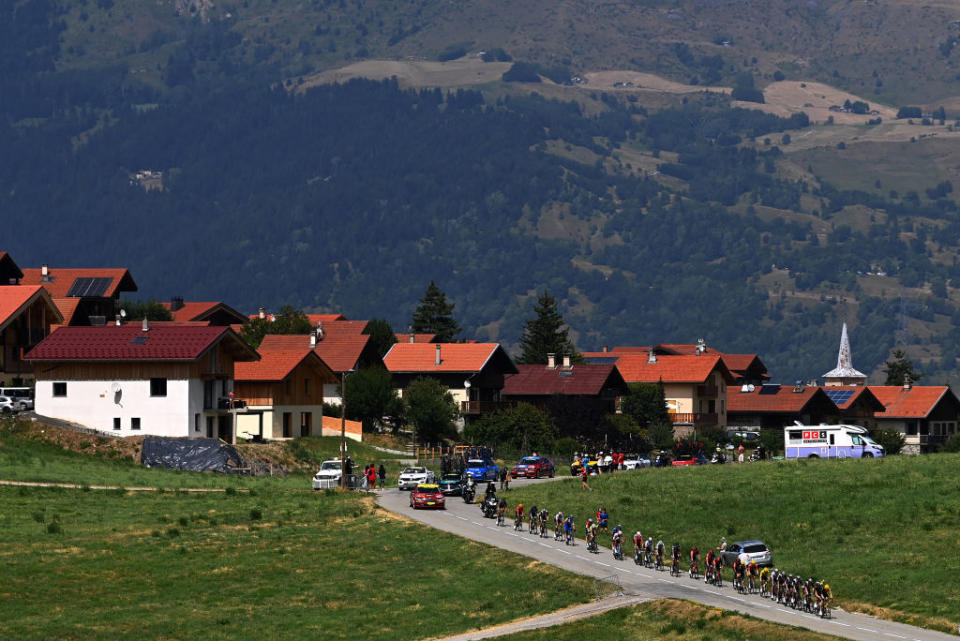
<point>151,310</point>
<point>434,315</point>
<point>545,334</point>
<point>381,335</point>
<point>899,368</point>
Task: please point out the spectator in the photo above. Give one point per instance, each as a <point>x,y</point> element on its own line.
<point>372,477</point>
<point>507,478</point>
<point>740,451</point>
<point>583,478</point>
<point>503,478</point>
<point>383,475</point>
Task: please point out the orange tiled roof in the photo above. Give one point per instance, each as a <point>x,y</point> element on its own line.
<point>772,399</point>
<point>16,298</point>
<point>274,364</point>
<point>916,402</point>
<point>417,338</point>
<point>195,311</point>
<point>313,318</point>
<point>454,357</point>
<point>67,308</point>
<point>339,350</point>
<point>635,368</point>
<point>61,280</point>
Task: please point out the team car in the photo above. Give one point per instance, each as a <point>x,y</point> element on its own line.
<point>533,467</point>
<point>413,476</point>
<point>328,476</point>
<point>427,495</point>
<point>593,466</point>
<point>748,551</point>
<point>451,484</point>
<point>635,462</point>
<point>482,469</point>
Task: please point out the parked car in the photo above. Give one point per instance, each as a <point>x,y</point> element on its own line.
<point>427,495</point>
<point>8,405</point>
<point>690,459</point>
<point>23,395</point>
<point>482,469</point>
<point>451,484</point>
<point>754,551</point>
<point>593,467</point>
<point>533,467</point>
<point>328,476</point>
<point>413,476</point>
<point>635,462</point>
<point>663,460</point>
<point>748,437</point>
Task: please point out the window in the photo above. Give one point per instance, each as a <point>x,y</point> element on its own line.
<point>287,425</point>
<point>135,423</point>
<point>196,422</point>
<point>208,395</point>
<point>209,427</point>
<point>713,407</point>
<point>116,423</point>
<point>60,389</point>
<point>158,387</point>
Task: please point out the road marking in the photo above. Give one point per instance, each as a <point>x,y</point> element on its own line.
<point>546,546</point>
<point>562,550</point>
<point>846,625</point>
<point>475,523</point>
<point>601,563</point>
<point>787,611</point>
<point>628,571</point>
<point>737,599</point>
<point>891,634</point>
<point>867,630</point>
<point>462,518</point>
<point>664,581</point>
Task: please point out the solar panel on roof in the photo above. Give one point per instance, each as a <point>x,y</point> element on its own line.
<point>139,340</point>
<point>769,389</point>
<point>89,286</point>
<point>839,396</point>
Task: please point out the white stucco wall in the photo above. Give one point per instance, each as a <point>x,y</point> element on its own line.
<point>94,404</point>
<point>248,425</point>
<point>331,393</point>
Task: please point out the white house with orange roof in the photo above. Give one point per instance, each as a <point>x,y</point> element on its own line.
<point>84,296</point>
<point>927,415</point>
<point>283,391</point>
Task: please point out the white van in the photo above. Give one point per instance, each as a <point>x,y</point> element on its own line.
<point>829,441</point>
<point>22,395</point>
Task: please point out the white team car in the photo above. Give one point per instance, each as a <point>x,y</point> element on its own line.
<point>411,476</point>
<point>328,476</point>
<point>635,462</point>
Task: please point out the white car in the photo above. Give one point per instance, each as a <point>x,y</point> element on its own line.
<point>9,405</point>
<point>328,476</point>
<point>635,462</point>
<point>412,476</point>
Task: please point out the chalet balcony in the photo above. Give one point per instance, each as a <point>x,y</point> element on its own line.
<point>473,408</point>
<point>708,391</point>
<point>696,419</point>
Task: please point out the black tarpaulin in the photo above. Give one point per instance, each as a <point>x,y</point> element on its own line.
<point>192,454</point>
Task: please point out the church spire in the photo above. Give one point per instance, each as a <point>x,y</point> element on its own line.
<point>844,374</point>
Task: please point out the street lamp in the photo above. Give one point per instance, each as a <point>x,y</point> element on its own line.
<point>343,427</point>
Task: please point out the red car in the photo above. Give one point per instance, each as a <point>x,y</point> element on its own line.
<point>427,495</point>
<point>690,459</point>
<point>533,467</point>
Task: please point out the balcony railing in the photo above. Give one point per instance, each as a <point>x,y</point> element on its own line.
<point>468,408</point>
<point>694,418</point>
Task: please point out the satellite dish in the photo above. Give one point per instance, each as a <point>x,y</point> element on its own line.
<point>745,388</point>
<point>115,387</point>
<point>466,384</point>
<point>751,387</point>
<point>123,313</point>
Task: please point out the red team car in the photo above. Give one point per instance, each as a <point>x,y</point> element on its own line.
<point>427,495</point>
<point>533,467</point>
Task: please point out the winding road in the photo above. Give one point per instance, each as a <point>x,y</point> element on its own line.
<point>639,582</point>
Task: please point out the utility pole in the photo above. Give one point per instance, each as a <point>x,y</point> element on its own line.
<point>343,428</point>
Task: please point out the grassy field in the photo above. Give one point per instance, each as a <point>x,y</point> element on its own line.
<point>272,562</point>
<point>882,532</point>
<point>670,619</point>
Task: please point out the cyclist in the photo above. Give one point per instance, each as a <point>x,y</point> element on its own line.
<point>675,559</point>
<point>694,562</point>
<point>534,519</point>
<point>648,550</point>
<point>825,599</point>
<point>638,548</point>
<point>753,571</point>
<point>617,539</point>
<point>568,525</point>
<point>737,575</point>
<point>708,567</point>
<point>544,518</point>
<point>558,526</point>
<point>718,571</point>
<point>602,518</point>
<point>501,511</point>
<point>518,518</point>
<point>765,582</point>
<point>660,549</point>
<point>590,534</point>
<point>808,597</point>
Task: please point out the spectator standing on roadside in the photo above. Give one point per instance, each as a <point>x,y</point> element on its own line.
<point>583,478</point>
<point>507,478</point>
<point>372,477</point>
<point>740,451</point>
<point>503,478</point>
<point>383,475</point>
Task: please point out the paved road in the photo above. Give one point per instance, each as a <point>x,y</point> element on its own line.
<point>466,520</point>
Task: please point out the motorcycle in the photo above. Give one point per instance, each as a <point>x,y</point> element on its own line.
<point>718,458</point>
<point>468,494</point>
<point>489,506</point>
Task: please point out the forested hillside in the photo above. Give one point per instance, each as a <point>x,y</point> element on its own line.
<point>659,221</point>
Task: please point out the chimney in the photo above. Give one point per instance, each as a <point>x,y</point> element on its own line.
<point>551,361</point>
<point>566,361</point>
<point>651,357</point>
<point>313,340</point>
<point>319,333</point>
<point>604,349</point>
<point>701,346</point>
<point>439,360</point>
<point>176,304</point>
<point>146,325</point>
<point>263,312</point>
<point>413,338</point>
<point>44,273</point>
<point>907,383</point>
<point>119,320</point>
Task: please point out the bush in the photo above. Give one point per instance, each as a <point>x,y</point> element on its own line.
<point>522,72</point>
<point>953,445</point>
<point>54,528</point>
<point>452,52</point>
<point>891,440</point>
<point>772,441</point>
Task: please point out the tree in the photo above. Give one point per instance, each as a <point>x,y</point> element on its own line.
<point>899,368</point>
<point>381,335</point>
<point>430,409</point>
<point>151,310</point>
<point>371,398</point>
<point>647,404</point>
<point>434,315</point>
<point>545,334</point>
<point>522,428</point>
<point>288,321</point>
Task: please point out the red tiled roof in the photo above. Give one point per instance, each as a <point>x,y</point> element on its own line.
<point>635,368</point>
<point>916,402</point>
<point>61,280</point>
<point>16,298</point>
<point>111,343</point>
<point>784,399</point>
<point>582,379</point>
<point>417,338</point>
<point>197,311</point>
<point>274,364</point>
<point>339,350</point>
<point>454,357</point>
